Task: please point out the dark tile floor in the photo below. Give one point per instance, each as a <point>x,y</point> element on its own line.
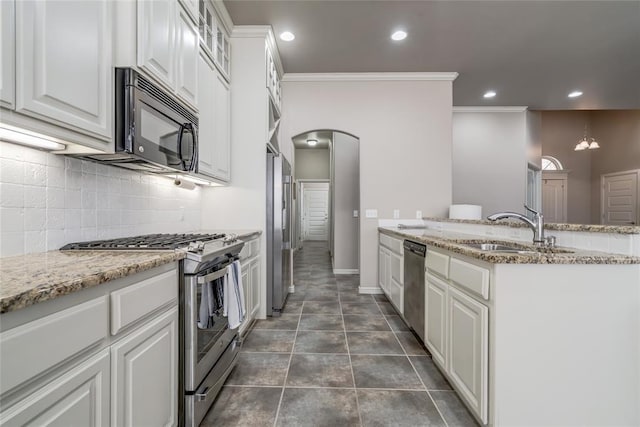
<point>334,358</point>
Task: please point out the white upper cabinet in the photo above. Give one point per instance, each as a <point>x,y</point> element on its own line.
<point>214,129</point>
<point>7,53</point>
<point>222,145</point>
<point>191,6</point>
<point>187,61</point>
<point>214,37</point>
<point>64,68</point>
<point>156,30</point>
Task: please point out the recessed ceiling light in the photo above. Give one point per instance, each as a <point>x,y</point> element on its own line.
<point>575,94</point>
<point>399,35</point>
<point>489,94</point>
<point>312,142</point>
<point>287,36</point>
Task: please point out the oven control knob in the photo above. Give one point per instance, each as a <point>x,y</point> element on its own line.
<point>141,148</point>
<point>197,246</point>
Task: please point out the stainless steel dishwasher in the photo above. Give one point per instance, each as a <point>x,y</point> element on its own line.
<point>414,254</point>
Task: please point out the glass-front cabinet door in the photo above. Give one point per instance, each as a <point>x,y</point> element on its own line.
<point>214,38</point>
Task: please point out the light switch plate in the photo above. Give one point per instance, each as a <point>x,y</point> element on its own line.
<point>418,214</point>
<point>356,214</point>
<point>396,213</point>
<point>371,213</point>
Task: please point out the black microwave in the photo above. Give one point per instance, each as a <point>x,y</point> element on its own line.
<point>154,131</point>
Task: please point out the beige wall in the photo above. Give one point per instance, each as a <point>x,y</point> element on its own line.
<point>346,200</point>
<point>619,135</point>
<point>311,163</point>
<point>561,131</point>
<point>404,129</point>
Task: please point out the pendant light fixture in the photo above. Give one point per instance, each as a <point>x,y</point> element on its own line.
<point>584,143</point>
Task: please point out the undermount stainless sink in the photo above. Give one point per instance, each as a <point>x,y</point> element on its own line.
<point>493,247</point>
<point>506,247</point>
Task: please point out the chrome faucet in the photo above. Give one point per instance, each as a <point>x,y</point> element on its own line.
<point>537,225</point>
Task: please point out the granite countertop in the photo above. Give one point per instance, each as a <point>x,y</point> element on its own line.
<point>589,228</point>
<point>29,279</point>
<point>452,241</point>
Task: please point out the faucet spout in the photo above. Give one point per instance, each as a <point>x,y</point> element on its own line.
<point>537,225</point>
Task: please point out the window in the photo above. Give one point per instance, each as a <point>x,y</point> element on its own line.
<point>551,164</point>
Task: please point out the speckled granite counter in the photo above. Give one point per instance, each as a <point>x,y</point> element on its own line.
<point>33,278</point>
<point>590,228</point>
<point>452,241</point>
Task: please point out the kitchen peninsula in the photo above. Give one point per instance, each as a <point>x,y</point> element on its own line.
<point>534,336</point>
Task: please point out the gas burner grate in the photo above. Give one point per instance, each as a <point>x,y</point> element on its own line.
<point>148,241</point>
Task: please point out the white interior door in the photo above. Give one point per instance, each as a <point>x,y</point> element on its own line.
<point>315,214</point>
<point>554,200</point>
<point>620,198</point>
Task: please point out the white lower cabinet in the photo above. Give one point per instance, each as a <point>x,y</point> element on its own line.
<point>145,374</point>
<point>254,307</point>
<point>457,326</point>
<point>436,318</point>
<point>78,398</point>
<point>65,369</point>
<point>251,281</point>
<point>391,270</point>
<point>468,337</point>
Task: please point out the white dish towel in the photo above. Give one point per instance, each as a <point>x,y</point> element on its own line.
<point>234,308</point>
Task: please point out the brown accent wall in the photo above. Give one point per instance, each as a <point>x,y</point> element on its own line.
<point>618,132</point>
<point>560,133</point>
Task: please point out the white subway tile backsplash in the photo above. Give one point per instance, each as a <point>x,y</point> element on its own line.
<point>55,177</point>
<point>35,197</point>
<point>11,195</point>
<point>55,239</point>
<point>11,171</point>
<point>12,219</point>
<point>55,219</point>
<point>35,219</point>
<point>11,243</point>
<point>53,199</point>
<point>35,241</point>
<point>35,174</point>
<point>73,199</point>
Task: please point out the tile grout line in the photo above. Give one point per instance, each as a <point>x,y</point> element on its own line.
<point>286,376</point>
<point>416,371</point>
<point>353,377</point>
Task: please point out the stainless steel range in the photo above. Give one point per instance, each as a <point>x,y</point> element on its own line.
<point>208,350</point>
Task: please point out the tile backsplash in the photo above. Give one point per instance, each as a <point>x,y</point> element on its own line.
<point>48,200</point>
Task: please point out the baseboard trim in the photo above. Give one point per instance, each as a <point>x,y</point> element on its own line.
<point>369,290</point>
<point>346,271</point>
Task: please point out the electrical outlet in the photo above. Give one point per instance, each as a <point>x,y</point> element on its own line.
<point>181,214</point>
<point>371,213</point>
<point>418,214</point>
<point>396,213</point>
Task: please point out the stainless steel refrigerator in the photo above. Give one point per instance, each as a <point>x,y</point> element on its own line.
<point>278,232</point>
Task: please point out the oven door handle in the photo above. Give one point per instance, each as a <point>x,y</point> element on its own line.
<point>213,276</point>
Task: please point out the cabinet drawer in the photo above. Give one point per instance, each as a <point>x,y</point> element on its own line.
<point>438,263</point>
<point>132,303</point>
<point>250,249</point>
<point>470,277</point>
<point>35,347</point>
<point>394,244</point>
<point>255,247</point>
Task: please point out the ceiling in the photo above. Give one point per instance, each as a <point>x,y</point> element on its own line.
<point>532,53</point>
<point>322,136</point>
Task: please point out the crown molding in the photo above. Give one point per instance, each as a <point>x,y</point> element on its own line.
<point>364,77</point>
<point>223,14</point>
<point>481,109</point>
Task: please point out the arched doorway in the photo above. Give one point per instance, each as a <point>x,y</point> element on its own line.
<point>327,195</point>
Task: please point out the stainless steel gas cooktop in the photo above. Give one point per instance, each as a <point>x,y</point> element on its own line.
<point>147,242</point>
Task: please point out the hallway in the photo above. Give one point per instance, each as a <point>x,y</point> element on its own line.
<point>334,358</point>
